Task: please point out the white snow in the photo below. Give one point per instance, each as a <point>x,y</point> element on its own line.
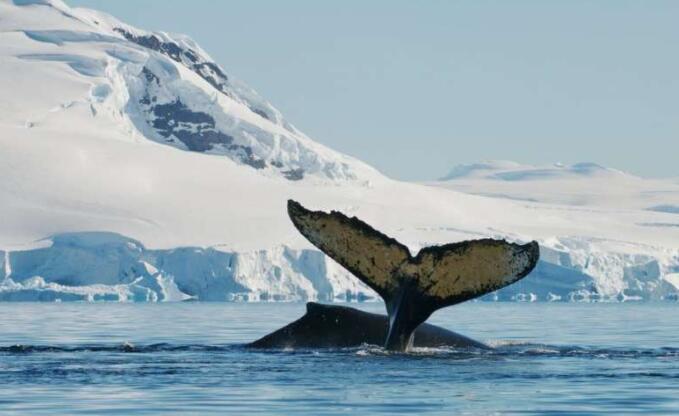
<point>97,205</point>
<point>630,263</point>
<point>580,185</point>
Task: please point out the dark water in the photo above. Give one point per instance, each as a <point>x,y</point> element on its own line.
<point>188,359</point>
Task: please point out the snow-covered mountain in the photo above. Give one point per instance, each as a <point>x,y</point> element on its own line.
<point>580,184</point>
<point>135,168</point>
<point>589,187</point>
<point>157,86</point>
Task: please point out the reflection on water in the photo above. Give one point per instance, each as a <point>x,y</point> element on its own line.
<point>189,358</point>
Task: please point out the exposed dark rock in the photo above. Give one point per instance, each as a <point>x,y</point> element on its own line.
<point>209,71</point>
<point>170,49</point>
<point>246,156</point>
<point>202,141</point>
<point>259,112</point>
<point>150,76</point>
<point>294,174</point>
<point>195,129</point>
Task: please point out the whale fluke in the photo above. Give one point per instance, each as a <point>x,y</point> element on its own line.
<point>414,287</point>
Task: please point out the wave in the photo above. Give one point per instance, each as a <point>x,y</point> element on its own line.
<point>501,349</point>
<point>126,347</point>
<point>513,349</point>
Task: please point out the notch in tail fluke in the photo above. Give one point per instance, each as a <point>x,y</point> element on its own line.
<point>414,287</point>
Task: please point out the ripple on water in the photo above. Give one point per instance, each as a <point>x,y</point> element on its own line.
<point>118,359</point>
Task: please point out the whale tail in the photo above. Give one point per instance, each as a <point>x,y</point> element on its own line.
<point>414,287</point>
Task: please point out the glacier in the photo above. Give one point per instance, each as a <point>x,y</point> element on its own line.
<point>101,266</point>
<point>105,266</point>
<point>135,168</point>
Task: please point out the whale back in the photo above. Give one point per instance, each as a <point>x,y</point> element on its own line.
<point>334,326</point>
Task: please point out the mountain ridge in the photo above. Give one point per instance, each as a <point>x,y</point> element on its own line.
<point>509,170</point>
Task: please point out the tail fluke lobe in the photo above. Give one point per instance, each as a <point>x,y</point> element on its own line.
<point>457,272</point>
<point>367,253</point>
<point>414,287</point>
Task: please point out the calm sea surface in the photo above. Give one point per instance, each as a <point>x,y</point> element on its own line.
<point>188,358</point>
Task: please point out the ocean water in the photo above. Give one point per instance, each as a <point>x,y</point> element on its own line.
<point>188,358</point>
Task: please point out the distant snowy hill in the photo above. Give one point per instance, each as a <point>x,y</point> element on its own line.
<point>135,168</point>
<point>580,184</point>
<point>582,188</point>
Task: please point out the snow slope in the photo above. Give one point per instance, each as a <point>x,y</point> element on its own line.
<point>153,85</point>
<point>587,187</point>
<point>135,169</point>
<point>581,184</point>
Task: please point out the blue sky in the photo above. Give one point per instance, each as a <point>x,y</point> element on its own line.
<point>415,87</point>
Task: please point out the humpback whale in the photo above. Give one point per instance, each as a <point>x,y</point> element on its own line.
<point>334,326</point>
<point>412,287</point>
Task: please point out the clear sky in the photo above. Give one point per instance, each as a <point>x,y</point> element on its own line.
<point>415,87</point>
